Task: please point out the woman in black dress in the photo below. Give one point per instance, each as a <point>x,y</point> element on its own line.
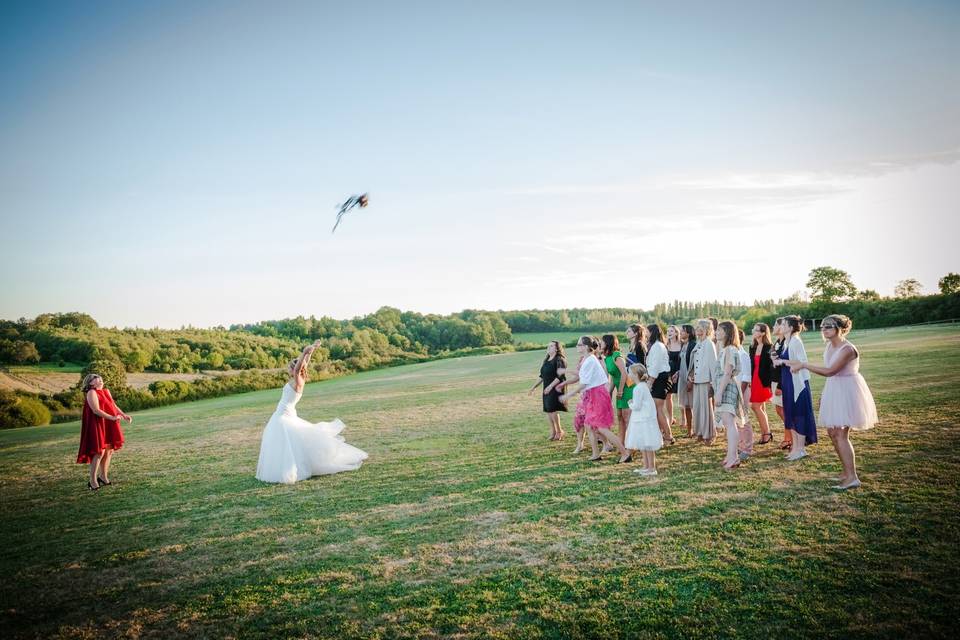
<point>674,347</point>
<point>550,379</point>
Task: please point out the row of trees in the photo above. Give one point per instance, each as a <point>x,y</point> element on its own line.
<point>829,284</point>
<point>386,337</point>
<point>382,338</point>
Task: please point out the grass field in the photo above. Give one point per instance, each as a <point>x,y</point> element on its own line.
<point>565,337</point>
<point>48,367</point>
<point>466,523</point>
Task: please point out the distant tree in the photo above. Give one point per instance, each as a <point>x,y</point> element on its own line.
<point>18,352</point>
<point>136,361</point>
<point>909,288</point>
<point>828,284</point>
<point>110,369</point>
<point>868,295</point>
<point>949,283</point>
<point>26,353</point>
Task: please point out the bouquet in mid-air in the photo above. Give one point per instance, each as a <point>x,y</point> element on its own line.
<point>352,202</point>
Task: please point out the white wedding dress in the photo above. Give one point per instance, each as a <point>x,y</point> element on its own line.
<point>293,449</point>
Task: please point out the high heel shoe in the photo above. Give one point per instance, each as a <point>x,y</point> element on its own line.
<point>766,438</point>
<point>91,487</point>
<point>103,482</point>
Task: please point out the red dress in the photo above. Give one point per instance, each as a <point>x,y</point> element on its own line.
<point>758,392</point>
<point>92,433</point>
<point>112,431</point>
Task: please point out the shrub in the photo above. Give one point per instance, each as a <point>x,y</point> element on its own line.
<point>22,411</point>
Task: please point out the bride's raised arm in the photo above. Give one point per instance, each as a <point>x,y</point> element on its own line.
<point>304,359</point>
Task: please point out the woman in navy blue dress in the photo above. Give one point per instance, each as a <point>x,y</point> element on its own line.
<point>797,397</point>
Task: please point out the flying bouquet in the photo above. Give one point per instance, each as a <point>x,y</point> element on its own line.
<point>352,202</point>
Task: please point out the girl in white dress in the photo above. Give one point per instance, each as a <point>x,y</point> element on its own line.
<point>643,432</point>
<point>293,449</point>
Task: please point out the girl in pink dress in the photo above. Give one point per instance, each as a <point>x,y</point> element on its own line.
<point>580,414</point>
<point>846,402</point>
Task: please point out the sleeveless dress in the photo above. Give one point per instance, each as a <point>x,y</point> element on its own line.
<point>580,414</point>
<point>674,357</point>
<point>93,438</point>
<point>293,449</point>
<point>112,432</point>
<point>758,392</point>
<point>611,364</point>
<point>797,413</point>
<point>683,396</point>
<point>846,400</point>
<point>732,401</point>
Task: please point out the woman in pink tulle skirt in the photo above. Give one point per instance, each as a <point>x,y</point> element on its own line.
<point>593,381</point>
<point>846,402</point>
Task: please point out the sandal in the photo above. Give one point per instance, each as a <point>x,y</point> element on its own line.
<point>597,459</point>
<point>91,487</point>
<point>103,482</point>
<point>766,438</point>
<point>786,444</point>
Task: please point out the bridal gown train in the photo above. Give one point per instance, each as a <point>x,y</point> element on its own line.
<point>293,449</point>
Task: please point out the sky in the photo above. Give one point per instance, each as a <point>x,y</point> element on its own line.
<point>180,163</point>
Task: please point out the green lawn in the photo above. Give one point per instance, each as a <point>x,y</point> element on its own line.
<point>466,523</point>
<point>48,367</point>
<point>565,337</point>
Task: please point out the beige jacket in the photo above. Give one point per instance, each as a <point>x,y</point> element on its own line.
<point>704,360</point>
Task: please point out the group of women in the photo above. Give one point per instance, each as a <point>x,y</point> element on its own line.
<point>718,382</point>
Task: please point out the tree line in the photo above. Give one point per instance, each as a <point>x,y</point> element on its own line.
<point>384,338</point>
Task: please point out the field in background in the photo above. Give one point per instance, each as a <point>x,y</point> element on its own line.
<point>544,337</point>
<point>467,522</point>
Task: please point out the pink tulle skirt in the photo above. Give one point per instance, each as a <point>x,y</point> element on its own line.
<point>579,416</point>
<point>598,409</point>
<point>846,401</point>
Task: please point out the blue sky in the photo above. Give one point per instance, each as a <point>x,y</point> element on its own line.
<point>178,163</point>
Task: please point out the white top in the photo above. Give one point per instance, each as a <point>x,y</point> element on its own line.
<point>658,360</point>
<point>592,373</point>
<point>746,370</point>
<point>796,351</point>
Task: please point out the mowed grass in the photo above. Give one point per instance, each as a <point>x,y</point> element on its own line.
<point>565,337</point>
<point>467,523</point>
<point>48,367</point>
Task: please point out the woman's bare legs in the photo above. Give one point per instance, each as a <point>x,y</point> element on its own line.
<point>94,465</point>
<point>760,411</point>
<point>733,439</point>
<point>665,429</point>
<point>105,464</point>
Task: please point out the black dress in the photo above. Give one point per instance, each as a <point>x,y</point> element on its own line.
<point>674,359</point>
<point>548,373</point>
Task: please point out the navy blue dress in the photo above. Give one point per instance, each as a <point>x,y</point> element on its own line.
<point>797,414</point>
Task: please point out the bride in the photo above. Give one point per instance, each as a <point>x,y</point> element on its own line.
<point>293,449</point>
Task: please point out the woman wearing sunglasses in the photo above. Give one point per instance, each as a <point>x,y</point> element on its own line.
<point>846,402</point>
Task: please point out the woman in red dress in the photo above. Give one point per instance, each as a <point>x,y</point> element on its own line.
<point>761,390</point>
<point>100,432</point>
